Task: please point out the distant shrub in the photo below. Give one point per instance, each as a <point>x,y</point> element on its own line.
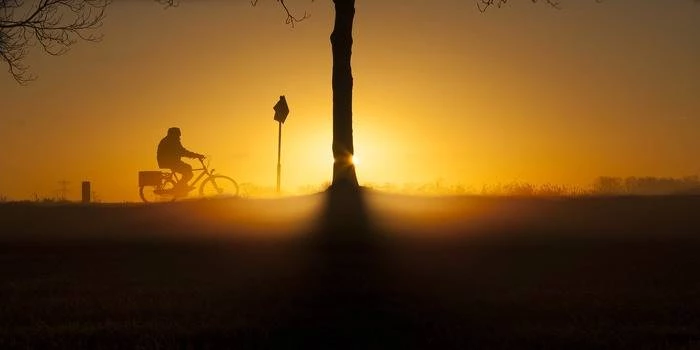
<point>520,189</point>
<point>606,185</point>
<point>552,190</point>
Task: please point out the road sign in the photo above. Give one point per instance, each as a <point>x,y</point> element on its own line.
<point>281,110</point>
<point>281,113</point>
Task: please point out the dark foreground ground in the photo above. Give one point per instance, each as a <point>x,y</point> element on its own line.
<point>396,271</point>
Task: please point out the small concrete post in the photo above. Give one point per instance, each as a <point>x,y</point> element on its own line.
<point>86,191</point>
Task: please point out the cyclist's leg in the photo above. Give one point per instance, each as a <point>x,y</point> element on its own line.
<point>185,170</point>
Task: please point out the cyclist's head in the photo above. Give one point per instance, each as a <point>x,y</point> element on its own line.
<point>174,132</point>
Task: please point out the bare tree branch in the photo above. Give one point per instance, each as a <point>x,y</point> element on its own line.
<point>53,24</point>
<point>483,5</point>
<point>169,3</point>
<point>291,18</point>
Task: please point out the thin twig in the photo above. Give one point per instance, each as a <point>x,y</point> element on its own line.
<point>54,24</point>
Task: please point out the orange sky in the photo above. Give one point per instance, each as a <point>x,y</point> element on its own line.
<point>442,92</point>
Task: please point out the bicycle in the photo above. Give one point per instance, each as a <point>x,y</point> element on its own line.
<point>160,186</point>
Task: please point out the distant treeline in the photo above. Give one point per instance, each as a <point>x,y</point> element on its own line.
<point>439,188</point>
<point>602,186</point>
<point>606,185</point>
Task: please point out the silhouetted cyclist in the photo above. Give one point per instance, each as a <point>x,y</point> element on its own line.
<point>170,151</point>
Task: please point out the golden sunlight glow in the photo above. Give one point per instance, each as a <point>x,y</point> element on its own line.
<point>549,104</point>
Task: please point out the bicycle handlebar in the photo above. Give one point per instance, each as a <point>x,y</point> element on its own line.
<point>201,161</point>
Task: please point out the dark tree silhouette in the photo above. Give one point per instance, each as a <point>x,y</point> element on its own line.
<point>54,24</point>
<point>341,44</point>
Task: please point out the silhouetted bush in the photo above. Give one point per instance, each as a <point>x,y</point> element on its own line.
<point>606,185</point>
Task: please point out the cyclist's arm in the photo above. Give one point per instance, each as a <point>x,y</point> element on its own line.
<point>187,153</point>
<point>190,154</point>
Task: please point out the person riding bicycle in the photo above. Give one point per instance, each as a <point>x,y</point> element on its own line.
<point>170,150</point>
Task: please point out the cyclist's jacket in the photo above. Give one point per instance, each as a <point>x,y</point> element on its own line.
<point>170,150</point>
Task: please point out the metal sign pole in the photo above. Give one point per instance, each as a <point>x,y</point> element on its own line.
<point>279,156</point>
<point>281,112</point>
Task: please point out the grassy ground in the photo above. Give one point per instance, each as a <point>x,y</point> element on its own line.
<point>353,272</point>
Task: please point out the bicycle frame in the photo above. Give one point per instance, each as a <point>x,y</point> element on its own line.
<point>205,172</point>
<point>169,190</point>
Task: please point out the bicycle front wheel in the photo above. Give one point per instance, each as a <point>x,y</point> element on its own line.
<point>218,186</point>
<point>155,194</point>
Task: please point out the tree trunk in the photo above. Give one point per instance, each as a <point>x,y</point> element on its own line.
<point>341,43</point>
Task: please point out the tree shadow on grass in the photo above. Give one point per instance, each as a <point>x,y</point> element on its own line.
<point>345,301</point>
<point>345,218</point>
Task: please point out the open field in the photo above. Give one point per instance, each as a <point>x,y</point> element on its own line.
<point>458,272</point>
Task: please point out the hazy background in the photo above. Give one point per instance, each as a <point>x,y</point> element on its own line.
<point>442,92</point>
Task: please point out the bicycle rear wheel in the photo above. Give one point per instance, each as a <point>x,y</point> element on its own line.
<point>218,186</point>
<point>155,194</point>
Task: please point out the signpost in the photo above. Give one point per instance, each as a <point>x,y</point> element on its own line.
<point>281,113</point>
